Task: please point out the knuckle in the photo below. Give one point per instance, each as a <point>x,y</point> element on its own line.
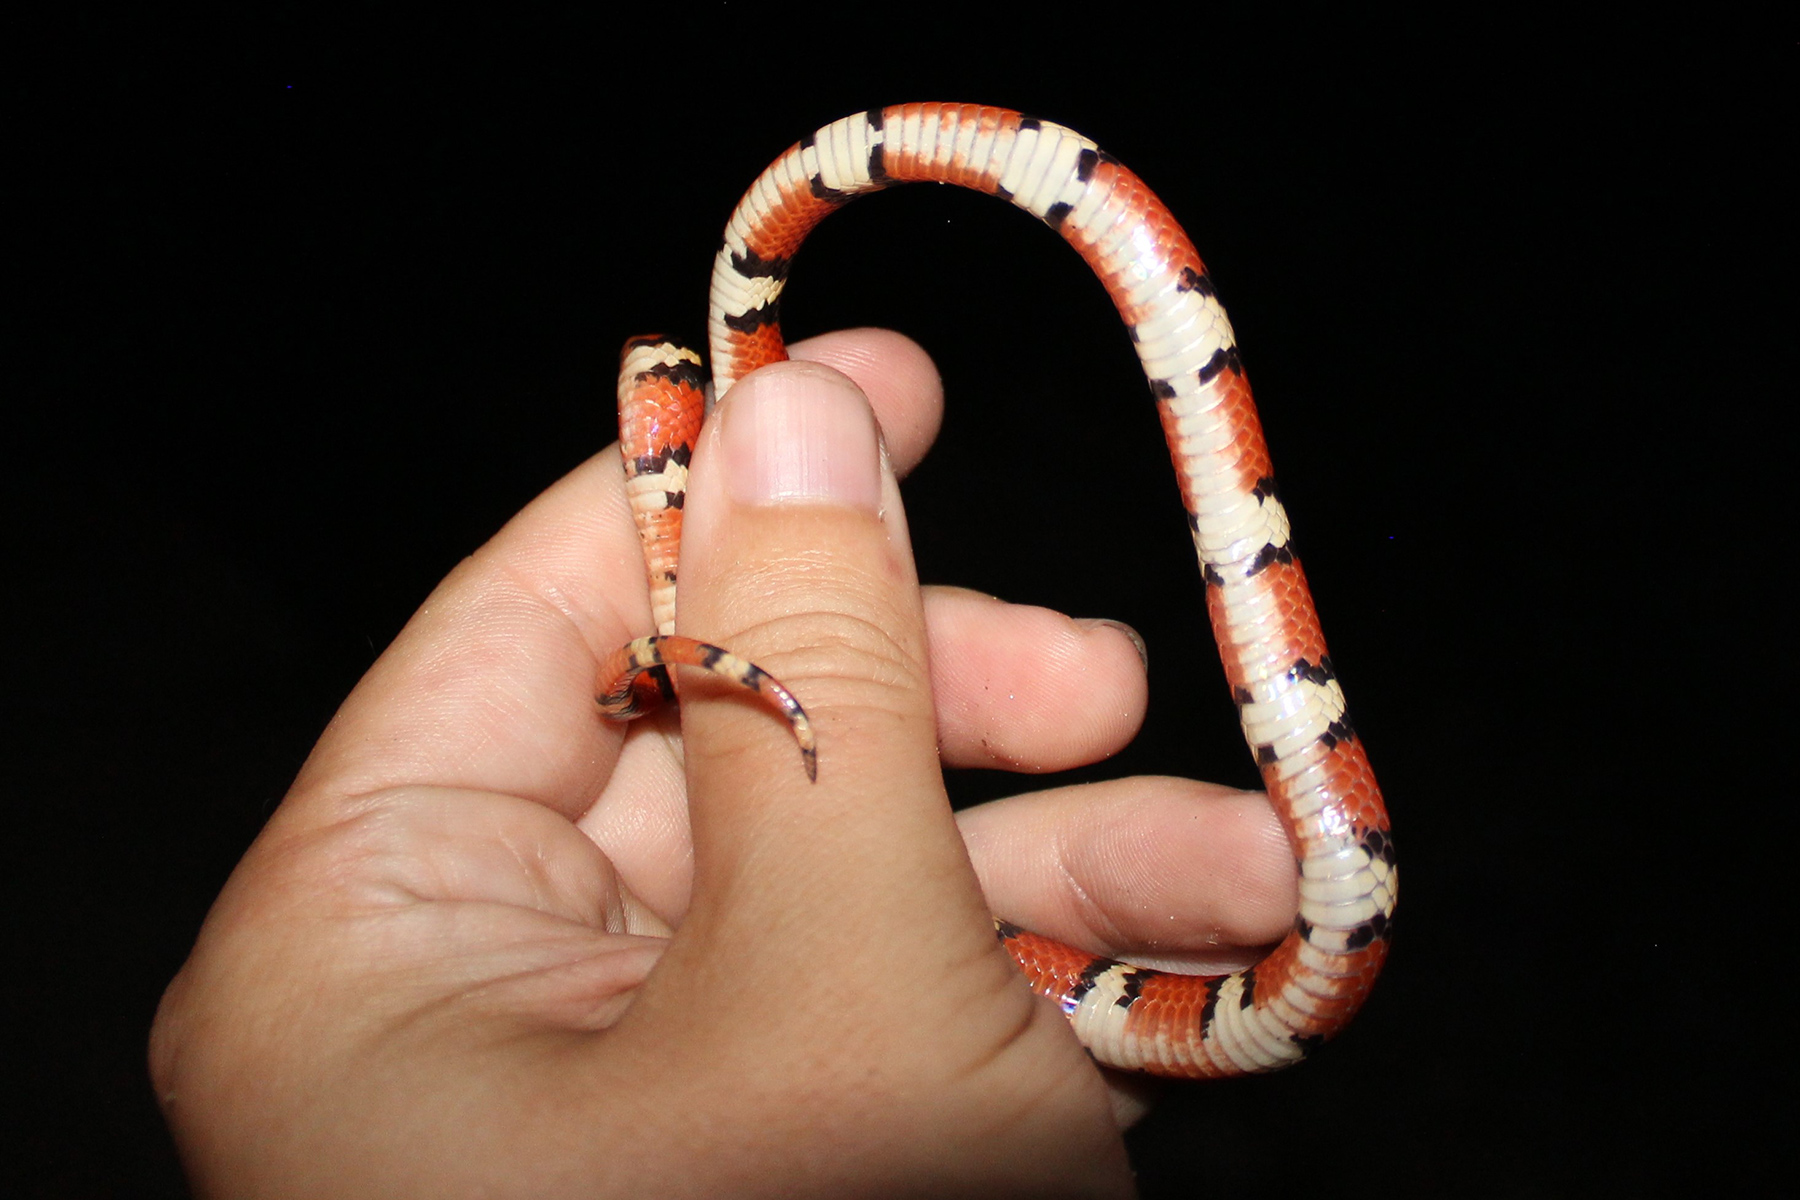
<point>842,658</point>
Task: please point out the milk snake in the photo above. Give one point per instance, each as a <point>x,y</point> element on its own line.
<point>1291,707</point>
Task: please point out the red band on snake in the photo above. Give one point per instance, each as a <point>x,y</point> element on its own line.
<point>1292,709</point>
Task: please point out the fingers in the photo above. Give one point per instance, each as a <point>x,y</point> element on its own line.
<point>1016,688</point>
<point>489,686</point>
<point>1165,872</point>
<point>1020,688</point>
<point>898,378</point>
<point>561,585</point>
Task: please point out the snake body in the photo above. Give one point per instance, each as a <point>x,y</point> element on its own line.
<point>1281,677</point>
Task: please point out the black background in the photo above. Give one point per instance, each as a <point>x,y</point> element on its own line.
<point>313,310</point>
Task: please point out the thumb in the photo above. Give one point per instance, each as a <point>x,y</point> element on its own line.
<point>836,977</point>
<point>797,557</point>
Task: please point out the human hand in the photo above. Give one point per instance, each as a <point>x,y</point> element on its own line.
<point>490,944</point>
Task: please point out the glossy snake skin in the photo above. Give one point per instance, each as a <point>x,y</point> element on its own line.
<point>1261,612</point>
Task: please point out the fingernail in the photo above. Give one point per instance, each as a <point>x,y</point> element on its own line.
<point>801,434</point>
<point>1137,639</point>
